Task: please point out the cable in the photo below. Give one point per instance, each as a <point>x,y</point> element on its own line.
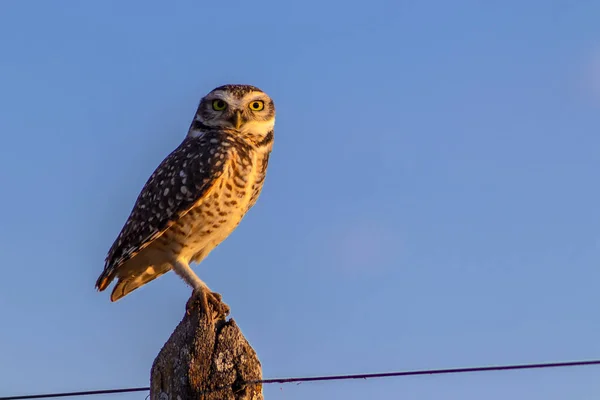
<point>70,394</point>
<point>335,378</point>
<point>430,372</point>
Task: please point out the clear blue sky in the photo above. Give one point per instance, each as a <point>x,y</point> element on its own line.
<point>432,199</point>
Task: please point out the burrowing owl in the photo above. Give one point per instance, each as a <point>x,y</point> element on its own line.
<point>198,195</point>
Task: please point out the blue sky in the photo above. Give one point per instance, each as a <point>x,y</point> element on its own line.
<point>431,201</point>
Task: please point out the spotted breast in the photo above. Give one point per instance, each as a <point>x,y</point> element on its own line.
<point>219,212</point>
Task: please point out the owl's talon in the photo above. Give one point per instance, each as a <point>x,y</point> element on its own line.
<point>216,300</point>
<point>216,297</point>
<point>205,296</point>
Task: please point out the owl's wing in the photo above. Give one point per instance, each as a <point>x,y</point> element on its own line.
<point>183,178</point>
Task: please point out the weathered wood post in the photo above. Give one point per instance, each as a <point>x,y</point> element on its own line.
<point>206,358</point>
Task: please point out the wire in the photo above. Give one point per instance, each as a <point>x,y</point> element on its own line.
<point>430,372</point>
<point>334,378</point>
<point>70,394</point>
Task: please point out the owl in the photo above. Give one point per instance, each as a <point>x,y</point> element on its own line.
<point>198,194</point>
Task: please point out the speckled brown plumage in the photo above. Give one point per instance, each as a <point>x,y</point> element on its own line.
<point>198,195</point>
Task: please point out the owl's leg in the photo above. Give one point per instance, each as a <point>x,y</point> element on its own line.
<point>188,275</point>
<point>200,288</point>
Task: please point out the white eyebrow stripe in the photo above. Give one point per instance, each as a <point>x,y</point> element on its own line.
<point>236,102</point>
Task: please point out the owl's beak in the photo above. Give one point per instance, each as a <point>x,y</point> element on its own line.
<point>237,119</point>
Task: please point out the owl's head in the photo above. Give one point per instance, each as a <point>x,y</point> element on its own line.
<point>242,108</point>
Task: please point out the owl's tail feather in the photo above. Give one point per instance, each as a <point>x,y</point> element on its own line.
<point>128,284</point>
<point>104,280</point>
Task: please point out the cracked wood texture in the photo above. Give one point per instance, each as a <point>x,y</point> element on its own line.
<point>206,358</point>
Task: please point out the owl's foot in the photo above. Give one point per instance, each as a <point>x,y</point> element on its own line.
<point>209,302</point>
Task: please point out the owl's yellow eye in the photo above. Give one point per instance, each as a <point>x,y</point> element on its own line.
<point>219,105</point>
<point>257,105</point>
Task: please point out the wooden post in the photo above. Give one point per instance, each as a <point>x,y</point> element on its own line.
<point>206,358</point>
